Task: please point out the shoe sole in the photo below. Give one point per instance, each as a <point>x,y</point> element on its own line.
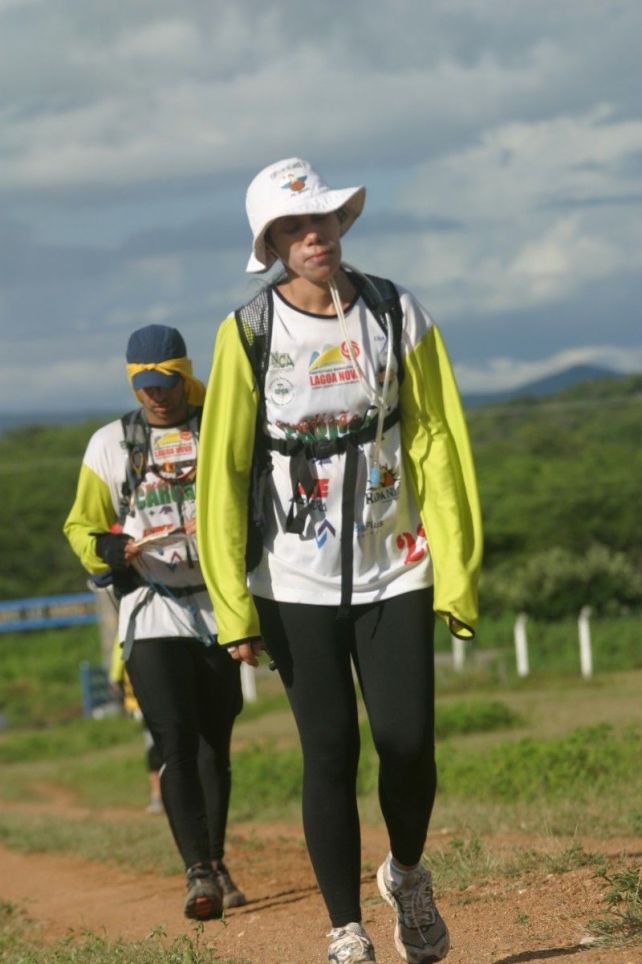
<point>204,908</point>
<point>432,958</point>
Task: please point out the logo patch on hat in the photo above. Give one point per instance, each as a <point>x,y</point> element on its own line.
<point>295,183</point>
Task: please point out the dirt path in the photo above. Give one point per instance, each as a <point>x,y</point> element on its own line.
<point>507,921</point>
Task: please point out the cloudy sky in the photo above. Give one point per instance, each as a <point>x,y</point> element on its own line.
<point>500,142</point>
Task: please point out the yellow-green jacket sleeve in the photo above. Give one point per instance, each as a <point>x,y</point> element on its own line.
<point>440,464</point>
<point>92,511</point>
<point>223,482</point>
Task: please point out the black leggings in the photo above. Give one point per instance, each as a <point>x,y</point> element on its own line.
<point>189,695</point>
<point>391,644</point>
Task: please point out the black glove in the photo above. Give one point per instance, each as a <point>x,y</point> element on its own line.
<point>125,581</point>
<point>110,547</point>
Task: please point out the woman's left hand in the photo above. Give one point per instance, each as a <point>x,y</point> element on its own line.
<point>247,651</point>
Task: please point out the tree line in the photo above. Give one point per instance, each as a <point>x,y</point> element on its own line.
<point>560,479</point>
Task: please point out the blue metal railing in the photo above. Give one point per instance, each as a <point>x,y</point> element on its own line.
<point>46,612</point>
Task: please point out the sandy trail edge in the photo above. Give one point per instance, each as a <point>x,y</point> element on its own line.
<point>507,921</point>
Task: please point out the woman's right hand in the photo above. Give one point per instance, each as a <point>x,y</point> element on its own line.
<point>246,650</point>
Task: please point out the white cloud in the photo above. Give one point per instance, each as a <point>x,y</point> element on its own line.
<point>163,40</point>
<point>164,93</point>
<point>17,4</point>
<point>518,122</point>
<point>539,209</point>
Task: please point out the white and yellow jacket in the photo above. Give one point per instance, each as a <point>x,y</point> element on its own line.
<point>170,562</point>
<point>419,526</point>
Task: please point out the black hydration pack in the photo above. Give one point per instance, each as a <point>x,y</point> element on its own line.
<point>254,323</point>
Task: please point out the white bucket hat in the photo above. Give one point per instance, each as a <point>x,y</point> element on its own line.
<point>291,187</point>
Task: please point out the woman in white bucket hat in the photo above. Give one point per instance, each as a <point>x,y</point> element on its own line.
<point>333,412</point>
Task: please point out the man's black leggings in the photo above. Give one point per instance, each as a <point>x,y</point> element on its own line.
<point>391,644</point>
<point>189,695</point>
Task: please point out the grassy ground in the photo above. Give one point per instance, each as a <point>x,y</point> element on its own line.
<point>553,756</point>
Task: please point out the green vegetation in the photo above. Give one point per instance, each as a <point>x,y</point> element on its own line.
<point>39,674</point>
<point>622,924</point>
<point>466,861</point>
<point>17,946</point>
<point>563,470</point>
<point>552,754</point>
<point>589,760</point>
<point>559,479</point>
<point>555,758</point>
<point>40,466</point>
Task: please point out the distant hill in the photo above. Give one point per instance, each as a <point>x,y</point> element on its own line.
<point>543,386</point>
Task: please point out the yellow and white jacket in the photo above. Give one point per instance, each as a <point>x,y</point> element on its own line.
<point>154,510</point>
<point>420,526</point>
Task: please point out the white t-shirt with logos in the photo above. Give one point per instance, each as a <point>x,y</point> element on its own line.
<point>162,502</point>
<point>312,392</point>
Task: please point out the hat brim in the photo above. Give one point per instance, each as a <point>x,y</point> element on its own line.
<point>151,378</point>
<point>351,199</point>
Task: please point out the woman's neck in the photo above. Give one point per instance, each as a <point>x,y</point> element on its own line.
<point>314,297</point>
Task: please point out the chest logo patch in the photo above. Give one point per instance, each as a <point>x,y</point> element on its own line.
<point>280,390</point>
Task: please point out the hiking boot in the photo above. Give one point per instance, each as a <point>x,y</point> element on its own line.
<point>421,936</point>
<point>232,896</point>
<point>204,898</point>
<point>350,945</point>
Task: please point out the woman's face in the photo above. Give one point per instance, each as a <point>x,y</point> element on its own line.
<point>308,245</point>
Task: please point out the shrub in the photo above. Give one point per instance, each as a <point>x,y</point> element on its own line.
<point>556,582</point>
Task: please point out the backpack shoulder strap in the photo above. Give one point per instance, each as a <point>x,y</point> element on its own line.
<point>254,323</point>
<point>136,441</point>
<point>382,297</point>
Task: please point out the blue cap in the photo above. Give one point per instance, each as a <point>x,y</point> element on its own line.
<point>155,343</point>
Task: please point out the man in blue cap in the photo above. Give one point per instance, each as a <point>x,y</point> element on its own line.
<point>134,517</point>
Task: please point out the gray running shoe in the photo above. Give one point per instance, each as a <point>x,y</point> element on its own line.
<point>421,936</point>
<point>204,898</point>
<point>350,945</point>
<point>232,896</point>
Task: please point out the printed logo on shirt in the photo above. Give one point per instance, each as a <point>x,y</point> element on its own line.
<point>157,494</point>
<point>322,533</point>
<point>281,359</point>
<point>387,490</point>
<point>173,446</point>
<point>415,546</point>
<point>324,426</point>
<point>280,391</point>
<point>332,365</point>
<point>366,528</point>
<point>316,498</point>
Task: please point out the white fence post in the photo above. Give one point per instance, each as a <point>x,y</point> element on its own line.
<point>459,653</point>
<point>521,644</point>
<point>584,630</point>
<point>248,682</point>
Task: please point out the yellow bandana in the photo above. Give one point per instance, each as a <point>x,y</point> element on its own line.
<point>194,389</point>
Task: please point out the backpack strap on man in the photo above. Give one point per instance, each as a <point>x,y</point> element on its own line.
<point>136,441</point>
